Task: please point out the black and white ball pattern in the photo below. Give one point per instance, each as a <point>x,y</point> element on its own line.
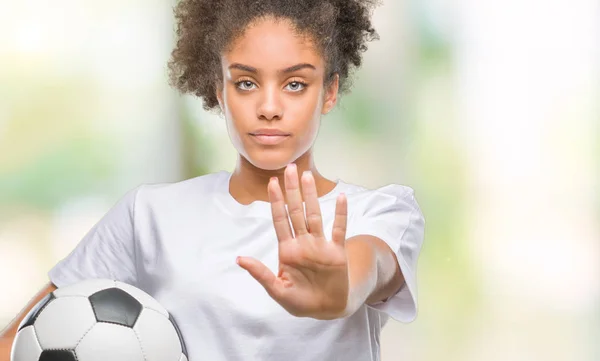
<point>98,320</point>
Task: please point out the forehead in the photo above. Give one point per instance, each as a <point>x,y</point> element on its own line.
<point>273,44</point>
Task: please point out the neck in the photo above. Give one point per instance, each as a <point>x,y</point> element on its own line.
<point>249,183</point>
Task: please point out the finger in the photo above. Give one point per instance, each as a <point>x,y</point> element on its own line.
<point>261,273</point>
<point>294,198</point>
<point>313,209</point>
<point>278,211</point>
<point>340,221</point>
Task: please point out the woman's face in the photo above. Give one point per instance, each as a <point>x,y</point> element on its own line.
<point>273,94</point>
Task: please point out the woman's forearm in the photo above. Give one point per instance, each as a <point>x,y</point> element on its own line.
<point>373,271</point>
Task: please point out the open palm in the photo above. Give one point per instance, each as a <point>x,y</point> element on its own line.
<point>313,271</point>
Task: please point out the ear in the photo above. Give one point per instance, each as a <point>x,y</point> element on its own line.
<point>331,94</point>
<point>219,91</point>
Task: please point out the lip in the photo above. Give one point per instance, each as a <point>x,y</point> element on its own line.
<point>269,139</point>
<point>269,131</point>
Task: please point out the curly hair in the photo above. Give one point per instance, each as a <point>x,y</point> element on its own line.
<point>207,28</point>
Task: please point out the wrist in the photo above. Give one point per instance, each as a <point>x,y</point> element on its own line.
<point>361,285</point>
<point>356,299</point>
<point>362,271</point>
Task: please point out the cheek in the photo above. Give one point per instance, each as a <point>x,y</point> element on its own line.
<point>230,102</point>
<point>312,112</point>
<point>308,129</point>
<point>309,107</point>
<point>306,115</point>
<point>235,110</point>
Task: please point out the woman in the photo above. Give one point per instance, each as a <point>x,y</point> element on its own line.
<point>330,260</point>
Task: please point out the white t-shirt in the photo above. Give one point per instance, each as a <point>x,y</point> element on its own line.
<point>178,242</point>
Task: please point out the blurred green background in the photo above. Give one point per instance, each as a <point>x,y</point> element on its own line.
<point>488,110</point>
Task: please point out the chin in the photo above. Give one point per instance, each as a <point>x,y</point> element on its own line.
<point>270,164</point>
<point>270,160</point>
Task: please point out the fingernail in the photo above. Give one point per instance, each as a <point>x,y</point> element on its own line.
<point>292,165</point>
<point>307,173</point>
<point>237,260</point>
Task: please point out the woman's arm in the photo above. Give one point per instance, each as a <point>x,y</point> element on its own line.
<point>8,333</point>
<point>373,271</point>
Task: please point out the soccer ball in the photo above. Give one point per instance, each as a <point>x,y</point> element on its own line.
<point>98,320</point>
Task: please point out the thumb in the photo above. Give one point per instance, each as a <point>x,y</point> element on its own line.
<point>261,273</point>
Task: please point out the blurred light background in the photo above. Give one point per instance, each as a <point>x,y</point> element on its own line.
<point>489,110</point>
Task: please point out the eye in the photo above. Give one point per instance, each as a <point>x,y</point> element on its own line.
<point>296,86</point>
<point>245,84</point>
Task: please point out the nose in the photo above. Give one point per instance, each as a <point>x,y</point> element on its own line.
<point>270,106</point>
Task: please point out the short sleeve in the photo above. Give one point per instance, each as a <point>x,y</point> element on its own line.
<point>106,251</point>
<point>392,214</point>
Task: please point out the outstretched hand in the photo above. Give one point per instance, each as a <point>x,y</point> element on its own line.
<point>313,278</point>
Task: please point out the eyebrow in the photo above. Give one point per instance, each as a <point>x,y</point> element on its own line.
<point>291,69</point>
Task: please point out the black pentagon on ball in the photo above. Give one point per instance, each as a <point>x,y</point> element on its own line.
<point>113,305</point>
<point>183,348</point>
<point>33,314</point>
<point>58,355</point>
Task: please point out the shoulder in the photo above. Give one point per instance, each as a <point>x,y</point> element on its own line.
<point>186,189</point>
<point>390,213</point>
<point>365,198</point>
